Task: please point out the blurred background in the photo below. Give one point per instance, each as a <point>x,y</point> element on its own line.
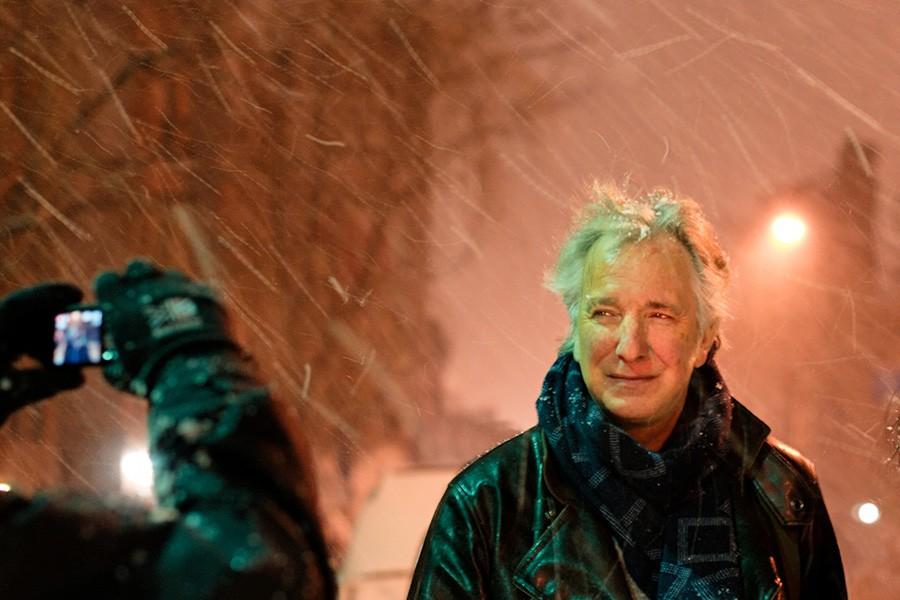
<point>377,188</point>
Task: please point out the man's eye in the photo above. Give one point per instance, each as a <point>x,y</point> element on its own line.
<point>659,315</point>
<point>602,313</point>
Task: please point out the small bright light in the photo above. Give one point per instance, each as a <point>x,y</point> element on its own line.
<point>788,229</point>
<point>5,487</point>
<point>137,473</point>
<point>868,513</point>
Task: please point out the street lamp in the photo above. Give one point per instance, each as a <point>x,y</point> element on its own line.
<point>788,229</point>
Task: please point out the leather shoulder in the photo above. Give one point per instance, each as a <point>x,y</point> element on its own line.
<point>509,464</point>
<point>786,482</point>
<point>802,465</point>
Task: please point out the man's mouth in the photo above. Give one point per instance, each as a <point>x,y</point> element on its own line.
<point>634,378</point>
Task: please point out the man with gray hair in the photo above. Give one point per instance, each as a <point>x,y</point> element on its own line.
<point>644,477</point>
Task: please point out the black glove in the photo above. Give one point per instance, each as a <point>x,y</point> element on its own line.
<point>26,328</point>
<point>149,316</point>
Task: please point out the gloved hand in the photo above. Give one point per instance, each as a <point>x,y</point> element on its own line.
<point>149,316</point>
<point>26,328</point>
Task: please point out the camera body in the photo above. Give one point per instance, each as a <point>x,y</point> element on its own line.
<point>78,337</point>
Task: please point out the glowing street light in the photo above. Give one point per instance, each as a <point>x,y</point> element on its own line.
<point>867,512</point>
<point>5,487</point>
<point>137,473</point>
<point>788,229</point>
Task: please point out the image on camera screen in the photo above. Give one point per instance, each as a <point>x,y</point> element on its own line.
<point>76,337</point>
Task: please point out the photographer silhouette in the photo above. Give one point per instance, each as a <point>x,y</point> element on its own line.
<point>235,494</point>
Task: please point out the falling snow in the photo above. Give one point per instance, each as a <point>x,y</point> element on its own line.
<point>377,188</point>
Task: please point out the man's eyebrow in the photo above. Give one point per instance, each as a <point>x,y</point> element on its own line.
<point>595,300</point>
<point>592,301</point>
<point>656,304</point>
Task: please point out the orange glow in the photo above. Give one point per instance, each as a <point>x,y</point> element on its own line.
<point>788,229</point>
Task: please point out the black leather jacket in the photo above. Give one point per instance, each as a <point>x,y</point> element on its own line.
<point>510,526</point>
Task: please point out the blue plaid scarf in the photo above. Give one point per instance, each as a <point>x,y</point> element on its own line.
<point>669,511</point>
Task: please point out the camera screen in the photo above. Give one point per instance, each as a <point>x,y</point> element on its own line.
<point>77,338</point>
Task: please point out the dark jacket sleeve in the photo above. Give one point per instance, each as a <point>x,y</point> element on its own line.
<point>822,570</point>
<point>235,516</point>
<point>809,551</point>
<point>452,561</point>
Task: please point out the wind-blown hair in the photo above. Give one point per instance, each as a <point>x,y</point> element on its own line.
<point>629,220</point>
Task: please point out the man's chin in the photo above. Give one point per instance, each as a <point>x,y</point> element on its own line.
<point>623,410</point>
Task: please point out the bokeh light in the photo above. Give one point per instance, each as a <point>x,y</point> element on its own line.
<point>867,512</point>
<point>137,473</point>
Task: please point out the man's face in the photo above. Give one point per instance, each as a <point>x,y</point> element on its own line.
<point>637,338</point>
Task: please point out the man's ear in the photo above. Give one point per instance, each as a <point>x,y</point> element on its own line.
<point>708,345</point>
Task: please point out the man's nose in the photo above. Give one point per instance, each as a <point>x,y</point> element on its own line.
<point>632,340</point>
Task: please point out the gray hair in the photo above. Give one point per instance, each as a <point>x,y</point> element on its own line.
<point>630,220</point>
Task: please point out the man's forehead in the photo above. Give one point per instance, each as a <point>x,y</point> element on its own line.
<point>658,270</point>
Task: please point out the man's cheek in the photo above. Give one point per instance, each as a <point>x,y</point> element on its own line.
<point>599,340</point>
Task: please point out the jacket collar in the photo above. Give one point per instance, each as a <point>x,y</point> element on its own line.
<point>575,556</point>
<point>746,438</point>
